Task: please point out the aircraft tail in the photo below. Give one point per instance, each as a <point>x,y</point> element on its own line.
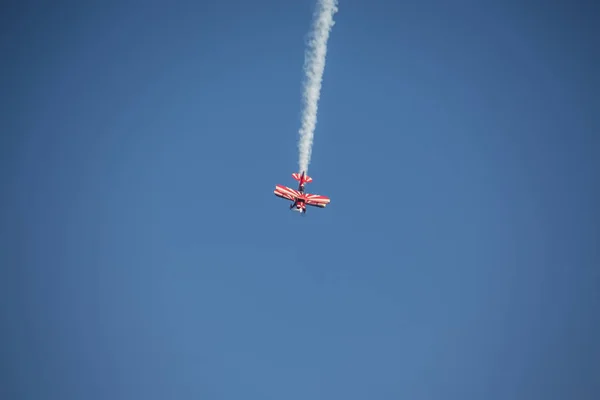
<point>302,177</point>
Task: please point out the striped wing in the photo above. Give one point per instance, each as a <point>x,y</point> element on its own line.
<point>316,200</point>
<point>286,193</point>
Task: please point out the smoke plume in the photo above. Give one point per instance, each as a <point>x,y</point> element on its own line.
<point>314,64</point>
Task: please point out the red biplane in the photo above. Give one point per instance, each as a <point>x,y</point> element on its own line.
<point>298,198</point>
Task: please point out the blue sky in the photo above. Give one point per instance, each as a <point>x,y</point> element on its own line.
<point>144,255</point>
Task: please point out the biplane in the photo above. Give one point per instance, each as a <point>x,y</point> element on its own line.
<point>298,197</point>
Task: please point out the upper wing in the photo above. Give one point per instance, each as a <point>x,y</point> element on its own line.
<point>316,200</point>
<point>286,193</point>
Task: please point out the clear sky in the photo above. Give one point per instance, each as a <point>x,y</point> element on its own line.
<point>143,254</point>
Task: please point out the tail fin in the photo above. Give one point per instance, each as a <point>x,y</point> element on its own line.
<point>302,177</point>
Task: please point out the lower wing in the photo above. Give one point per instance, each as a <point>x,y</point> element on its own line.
<point>285,192</point>
<point>316,200</point>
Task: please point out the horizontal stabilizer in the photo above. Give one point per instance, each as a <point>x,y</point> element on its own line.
<point>298,177</point>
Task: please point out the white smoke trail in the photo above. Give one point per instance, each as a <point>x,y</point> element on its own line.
<point>314,64</point>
